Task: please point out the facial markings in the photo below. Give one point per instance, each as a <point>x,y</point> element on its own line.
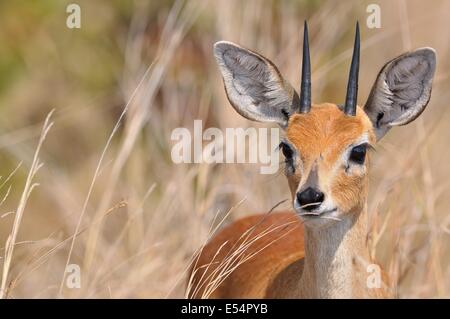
<point>325,137</point>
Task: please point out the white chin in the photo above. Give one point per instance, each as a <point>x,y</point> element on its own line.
<point>319,218</point>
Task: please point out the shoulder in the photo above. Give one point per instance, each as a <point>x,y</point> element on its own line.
<point>253,246</point>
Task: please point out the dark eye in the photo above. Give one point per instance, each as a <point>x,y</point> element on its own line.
<point>286,150</point>
<point>358,154</point>
<point>288,154</point>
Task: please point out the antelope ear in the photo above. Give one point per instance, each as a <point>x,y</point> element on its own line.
<point>254,86</point>
<point>402,90</point>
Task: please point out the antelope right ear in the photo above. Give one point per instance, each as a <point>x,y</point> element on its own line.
<point>254,86</point>
<point>402,90</point>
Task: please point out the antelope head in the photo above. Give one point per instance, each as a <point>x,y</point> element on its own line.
<point>326,145</point>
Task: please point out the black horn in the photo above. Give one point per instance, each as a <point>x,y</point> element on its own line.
<point>352,87</point>
<point>305,87</point>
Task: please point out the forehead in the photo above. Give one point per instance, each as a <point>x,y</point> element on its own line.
<point>326,127</point>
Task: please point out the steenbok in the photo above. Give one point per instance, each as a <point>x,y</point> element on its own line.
<point>320,249</point>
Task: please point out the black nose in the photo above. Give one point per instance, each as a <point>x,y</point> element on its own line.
<point>310,198</point>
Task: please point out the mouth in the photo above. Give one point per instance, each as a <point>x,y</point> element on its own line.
<point>326,214</point>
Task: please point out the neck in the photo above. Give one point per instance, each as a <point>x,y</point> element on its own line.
<point>334,259</point>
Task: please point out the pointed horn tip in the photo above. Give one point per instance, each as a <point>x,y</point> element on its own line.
<point>352,87</point>
<point>305,86</point>
<point>357,35</point>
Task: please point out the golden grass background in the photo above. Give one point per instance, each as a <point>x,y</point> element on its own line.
<point>109,196</point>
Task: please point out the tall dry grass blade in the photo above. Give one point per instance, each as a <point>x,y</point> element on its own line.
<point>194,260</point>
<point>234,254</point>
<point>238,257</point>
<point>114,246</point>
<point>35,264</point>
<point>10,243</point>
<point>97,173</point>
<point>141,112</point>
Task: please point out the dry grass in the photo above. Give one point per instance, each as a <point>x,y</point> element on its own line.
<point>111,200</point>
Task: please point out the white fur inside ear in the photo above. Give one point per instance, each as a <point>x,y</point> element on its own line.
<point>402,90</point>
<point>253,84</point>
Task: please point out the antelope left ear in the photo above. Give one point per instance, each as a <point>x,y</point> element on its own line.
<point>402,90</point>
<point>254,86</point>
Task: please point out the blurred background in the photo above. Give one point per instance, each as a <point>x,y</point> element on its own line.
<point>108,196</point>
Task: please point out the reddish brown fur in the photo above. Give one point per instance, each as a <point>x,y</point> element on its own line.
<point>319,136</point>
<point>252,278</point>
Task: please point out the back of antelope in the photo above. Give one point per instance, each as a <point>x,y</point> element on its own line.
<point>319,250</point>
